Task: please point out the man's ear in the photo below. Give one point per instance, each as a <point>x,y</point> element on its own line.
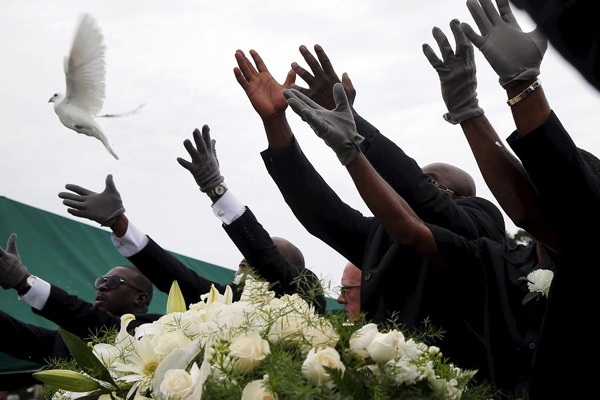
<point>142,299</point>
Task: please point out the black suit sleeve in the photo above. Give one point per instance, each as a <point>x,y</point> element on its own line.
<point>25,341</point>
<point>316,205</point>
<point>474,219</point>
<point>254,242</point>
<point>80,317</point>
<point>568,188</point>
<point>162,268</point>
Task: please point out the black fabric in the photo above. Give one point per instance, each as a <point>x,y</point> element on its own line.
<point>393,278</point>
<point>257,247</point>
<point>483,282</point>
<point>82,318</point>
<point>570,194</point>
<point>572,28</point>
<point>37,344</point>
<point>254,242</point>
<point>30,342</point>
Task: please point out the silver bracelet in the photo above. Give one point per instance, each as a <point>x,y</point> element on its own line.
<point>524,93</point>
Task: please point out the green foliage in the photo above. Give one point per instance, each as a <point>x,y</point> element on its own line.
<point>85,358</point>
<point>520,237</point>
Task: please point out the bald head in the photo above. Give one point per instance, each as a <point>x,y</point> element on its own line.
<point>290,252</point>
<point>350,291</point>
<point>454,178</point>
<point>132,295</point>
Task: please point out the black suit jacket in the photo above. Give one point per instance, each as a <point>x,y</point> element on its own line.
<point>570,197</point>
<point>37,344</point>
<point>256,246</point>
<point>393,278</point>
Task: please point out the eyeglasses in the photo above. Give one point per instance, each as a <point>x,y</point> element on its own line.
<point>112,282</point>
<point>442,187</point>
<point>345,289</point>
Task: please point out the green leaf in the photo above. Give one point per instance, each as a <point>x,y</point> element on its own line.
<point>85,357</point>
<point>67,380</point>
<point>347,382</point>
<point>530,296</point>
<point>175,302</point>
<point>524,278</point>
<point>93,396</point>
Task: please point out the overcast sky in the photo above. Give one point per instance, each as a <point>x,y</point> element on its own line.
<point>178,56</point>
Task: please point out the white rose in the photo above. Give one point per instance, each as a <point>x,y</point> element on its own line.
<point>312,368</point>
<point>361,339</point>
<point>248,350</point>
<point>256,390</point>
<point>256,292</point>
<point>433,350</point>
<point>320,335</point>
<point>540,281</point>
<point>287,328</point>
<point>176,384</point>
<point>166,342</point>
<point>385,346</point>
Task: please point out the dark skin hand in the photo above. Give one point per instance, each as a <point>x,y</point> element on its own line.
<point>320,83</point>
<point>266,96</point>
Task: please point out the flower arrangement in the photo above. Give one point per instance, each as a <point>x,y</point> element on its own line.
<point>261,347</point>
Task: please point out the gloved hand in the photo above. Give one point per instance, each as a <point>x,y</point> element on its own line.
<point>12,271</point>
<point>100,207</point>
<point>512,53</point>
<point>335,127</point>
<point>204,166</point>
<point>457,74</point>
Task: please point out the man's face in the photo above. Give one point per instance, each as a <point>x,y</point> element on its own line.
<point>350,291</point>
<point>121,299</point>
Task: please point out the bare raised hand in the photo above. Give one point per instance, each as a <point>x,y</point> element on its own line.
<point>264,92</point>
<point>320,83</point>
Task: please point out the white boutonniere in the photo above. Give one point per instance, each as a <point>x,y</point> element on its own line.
<point>538,283</point>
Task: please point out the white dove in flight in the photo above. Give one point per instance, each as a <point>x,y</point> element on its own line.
<point>85,73</point>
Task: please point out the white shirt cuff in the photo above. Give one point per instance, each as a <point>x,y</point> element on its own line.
<point>228,208</point>
<point>37,296</point>
<point>132,242</point>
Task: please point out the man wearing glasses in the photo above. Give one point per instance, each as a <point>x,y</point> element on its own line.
<point>350,291</point>
<point>121,291</point>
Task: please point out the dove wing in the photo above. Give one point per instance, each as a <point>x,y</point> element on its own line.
<point>85,68</point>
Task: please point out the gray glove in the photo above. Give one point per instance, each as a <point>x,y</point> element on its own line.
<point>100,207</point>
<point>12,271</point>
<point>457,74</point>
<point>512,53</point>
<point>204,166</point>
<point>335,127</point>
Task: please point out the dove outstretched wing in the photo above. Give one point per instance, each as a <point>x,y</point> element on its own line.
<point>85,68</point>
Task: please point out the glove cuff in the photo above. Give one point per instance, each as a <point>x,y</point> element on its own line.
<point>350,151</point>
<point>211,184</point>
<point>111,218</point>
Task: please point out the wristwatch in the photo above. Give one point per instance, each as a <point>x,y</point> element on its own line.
<point>29,283</point>
<point>218,191</point>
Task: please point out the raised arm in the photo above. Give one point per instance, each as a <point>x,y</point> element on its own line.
<point>502,171</point>
<point>337,129</point>
<point>479,218</point>
<point>313,202</point>
<point>251,239</point>
<point>157,264</point>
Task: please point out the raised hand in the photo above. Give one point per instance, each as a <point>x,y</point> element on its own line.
<point>514,55</point>
<point>457,74</point>
<point>100,207</point>
<point>320,83</point>
<point>336,127</point>
<point>12,270</point>
<point>264,92</point>
<point>204,166</point>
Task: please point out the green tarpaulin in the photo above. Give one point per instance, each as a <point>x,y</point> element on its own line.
<point>71,254</point>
